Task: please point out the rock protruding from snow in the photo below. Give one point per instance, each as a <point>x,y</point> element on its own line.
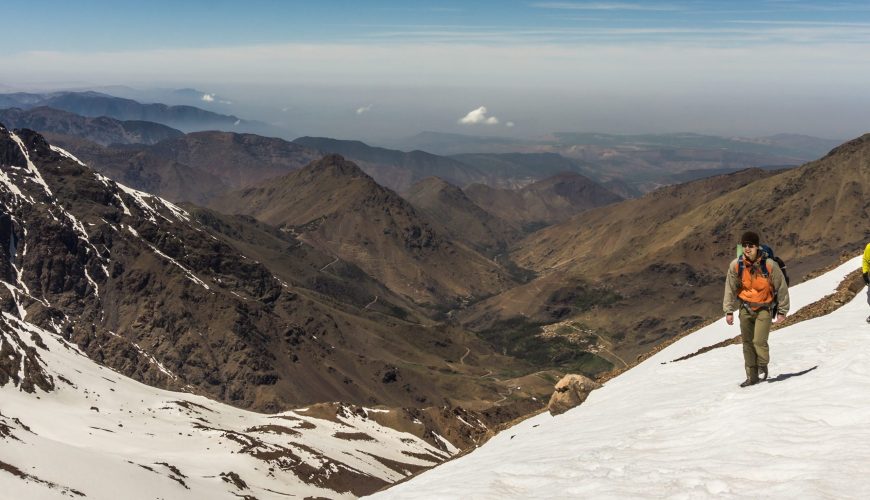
<point>571,391</point>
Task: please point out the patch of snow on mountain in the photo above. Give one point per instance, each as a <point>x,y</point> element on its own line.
<point>187,272</point>
<point>37,176</point>
<point>66,154</point>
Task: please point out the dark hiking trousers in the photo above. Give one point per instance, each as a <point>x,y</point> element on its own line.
<point>755,329</point>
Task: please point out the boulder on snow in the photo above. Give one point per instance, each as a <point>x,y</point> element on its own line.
<point>571,391</point>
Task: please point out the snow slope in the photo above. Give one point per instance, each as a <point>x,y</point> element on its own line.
<point>103,435</point>
<point>686,430</point>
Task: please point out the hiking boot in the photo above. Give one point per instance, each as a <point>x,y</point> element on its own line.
<point>751,376</point>
<point>762,373</point>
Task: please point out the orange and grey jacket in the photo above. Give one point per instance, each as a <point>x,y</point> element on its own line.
<point>754,289</point>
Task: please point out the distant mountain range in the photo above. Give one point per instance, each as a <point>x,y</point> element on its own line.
<point>397,170</point>
<point>629,164</point>
<point>786,145</point>
<point>101,130</point>
<point>94,104</point>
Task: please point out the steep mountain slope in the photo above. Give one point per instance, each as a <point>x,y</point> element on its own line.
<point>685,429</point>
<point>463,220</point>
<point>304,266</point>
<point>543,202</point>
<point>643,270</point>
<point>143,288</point>
<point>101,130</point>
<point>396,170</point>
<point>336,207</point>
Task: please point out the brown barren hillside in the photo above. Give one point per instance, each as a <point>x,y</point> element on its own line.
<point>336,207</point>
<point>642,270</point>
<point>239,160</point>
<point>545,202</point>
<point>463,220</point>
<point>193,167</point>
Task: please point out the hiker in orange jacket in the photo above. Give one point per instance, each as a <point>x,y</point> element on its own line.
<point>865,268</point>
<point>760,292</point>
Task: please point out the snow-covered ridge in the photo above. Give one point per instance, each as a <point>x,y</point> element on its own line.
<point>686,430</point>
<point>151,208</point>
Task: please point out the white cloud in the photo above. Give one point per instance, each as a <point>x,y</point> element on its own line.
<point>509,124</point>
<point>208,97</point>
<point>364,109</point>
<point>478,116</point>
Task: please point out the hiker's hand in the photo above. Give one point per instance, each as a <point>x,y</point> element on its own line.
<point>780,318</point>
<point>729,318</point>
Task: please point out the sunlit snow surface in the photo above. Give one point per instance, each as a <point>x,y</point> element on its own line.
<point>686,430</point>
<point>108,437</point>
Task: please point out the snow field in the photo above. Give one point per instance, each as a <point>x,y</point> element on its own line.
<point>686,430</point>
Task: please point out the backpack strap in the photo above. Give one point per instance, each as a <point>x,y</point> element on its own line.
<point>765,269</point>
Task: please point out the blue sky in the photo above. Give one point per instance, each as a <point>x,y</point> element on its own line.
<point>736,67</point>
<point>160,24</point>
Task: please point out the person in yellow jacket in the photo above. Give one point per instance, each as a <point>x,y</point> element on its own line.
<point>759,292</point>
<point>865,268</point>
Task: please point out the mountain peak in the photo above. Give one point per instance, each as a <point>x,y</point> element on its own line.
<point>433,182</point>
<point>857,144</point>
<point>338,165</point>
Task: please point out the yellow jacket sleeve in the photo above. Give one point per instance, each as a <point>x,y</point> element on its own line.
<point>865,263</point>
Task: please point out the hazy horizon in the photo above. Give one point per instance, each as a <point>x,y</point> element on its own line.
<point>383,70</point>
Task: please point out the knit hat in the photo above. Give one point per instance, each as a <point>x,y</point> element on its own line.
<point>749,237</point>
